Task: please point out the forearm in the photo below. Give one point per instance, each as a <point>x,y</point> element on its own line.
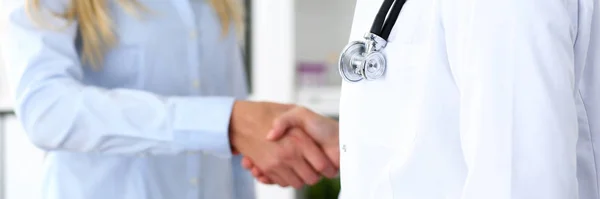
<point>65,115</point>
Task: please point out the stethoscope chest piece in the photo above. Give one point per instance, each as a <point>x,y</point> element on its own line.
<point>374,66</point>
<point>364,59</point>
<point>351,61</point>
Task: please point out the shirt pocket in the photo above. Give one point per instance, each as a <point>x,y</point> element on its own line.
<point>122,67</point>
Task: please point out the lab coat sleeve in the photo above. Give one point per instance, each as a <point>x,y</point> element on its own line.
<point>518,122</point>
<point>59,112</point>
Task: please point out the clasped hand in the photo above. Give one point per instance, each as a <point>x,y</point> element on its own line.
<point>285,144</point>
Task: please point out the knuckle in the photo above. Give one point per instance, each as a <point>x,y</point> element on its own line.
<point>296,184</point>
<point>297,141</point>
<point>276,164</point>
<point>285,155</point>
<point>320,166</point>
<point>246,165</point>
<point>295,106</point>
<point>288,158</point>
<point>310,177</point>
<point>271,166</point>
<point>302,109</point>
<point>278,121</point>
<point>266,181</point>
<point>313,181</point>
<point>295,144</point>
<point>280,154</point>
<point>268,168</point>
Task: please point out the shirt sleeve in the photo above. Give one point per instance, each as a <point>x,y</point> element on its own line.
<point>59,112</point>
<point>514,64</point>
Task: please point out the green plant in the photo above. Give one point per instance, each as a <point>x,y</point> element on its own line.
<point>325,189</point>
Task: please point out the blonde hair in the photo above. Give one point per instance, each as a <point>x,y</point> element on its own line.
<point>95,24</point>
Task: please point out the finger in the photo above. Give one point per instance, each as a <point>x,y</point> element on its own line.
<point>265,180</point>
<point>306,172</point>
<point>318,159</point>
<point>333,153</point>
<point>247,163</point>
<point>260,176</point>
<point>275,134</point>
<point>282,123</point>
<point>256,172</point>
<point>289,176</point>
<point>278,180</point>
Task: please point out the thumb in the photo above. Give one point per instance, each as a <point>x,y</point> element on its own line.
<point>282,123</point>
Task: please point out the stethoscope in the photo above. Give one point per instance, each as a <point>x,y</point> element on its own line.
<point>364,59</point>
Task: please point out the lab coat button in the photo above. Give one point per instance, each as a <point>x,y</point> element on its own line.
<point>344,148</point>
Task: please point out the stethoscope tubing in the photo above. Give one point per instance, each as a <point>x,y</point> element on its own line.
<point>383,24</point>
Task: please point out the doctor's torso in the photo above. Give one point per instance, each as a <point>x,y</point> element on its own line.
<point>400,135</point>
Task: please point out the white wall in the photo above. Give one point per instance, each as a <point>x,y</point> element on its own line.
<point>23,164</point>
<point>273,64</point>
<point>4,93</point>
<point>322,28</point>
<point>273,50</point>
<point>21,161</point>
<point>322,31</point>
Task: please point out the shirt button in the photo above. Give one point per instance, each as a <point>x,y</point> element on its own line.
<point>196,84</point>
<point>194,181</point>
<point>193,34</point>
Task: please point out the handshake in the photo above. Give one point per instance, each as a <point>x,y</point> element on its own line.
<point>284,144</point>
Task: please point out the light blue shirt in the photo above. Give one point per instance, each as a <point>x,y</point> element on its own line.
<point>152,123</point>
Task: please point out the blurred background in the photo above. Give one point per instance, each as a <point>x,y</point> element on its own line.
<point>291,51</point>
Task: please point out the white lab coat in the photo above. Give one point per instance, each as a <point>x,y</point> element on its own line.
<point>482,99</point>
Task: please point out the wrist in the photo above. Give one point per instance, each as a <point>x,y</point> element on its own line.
<point>234,124</point>
<point>252,120</point>
<point>240,122</point>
